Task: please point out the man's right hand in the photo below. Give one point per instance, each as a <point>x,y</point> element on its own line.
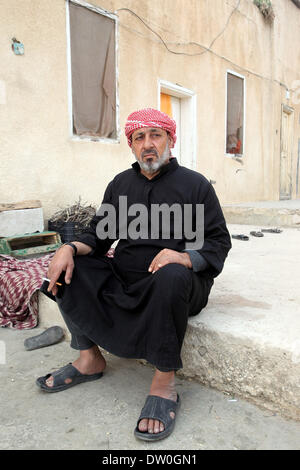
<point>63,261</point>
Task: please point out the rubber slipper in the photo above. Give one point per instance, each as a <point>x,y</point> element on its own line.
<point>271,230</point>
<point>240,237</point>
<point>50,336</point>
<point>158,408</point>
<point>66,372</point>
<point>257,234</point>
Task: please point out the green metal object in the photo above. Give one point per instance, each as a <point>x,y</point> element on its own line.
<point>31,244</point>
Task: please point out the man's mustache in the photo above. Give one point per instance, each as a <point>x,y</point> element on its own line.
<point>149,152</point>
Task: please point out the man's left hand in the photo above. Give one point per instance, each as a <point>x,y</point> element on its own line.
<point>167,256</point>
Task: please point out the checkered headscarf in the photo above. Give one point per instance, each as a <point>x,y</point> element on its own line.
<point>149,117</point>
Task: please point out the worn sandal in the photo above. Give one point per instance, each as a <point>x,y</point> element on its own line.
<point>158,408</point>
<point>50,336</point>
<point>240,237</point>
<point>256,234</point>
<point>66,372</point>
<point>271,230</point>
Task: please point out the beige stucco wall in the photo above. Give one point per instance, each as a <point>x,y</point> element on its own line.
<point>39,159</point>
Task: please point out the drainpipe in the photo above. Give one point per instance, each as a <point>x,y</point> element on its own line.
<point>297,174</point>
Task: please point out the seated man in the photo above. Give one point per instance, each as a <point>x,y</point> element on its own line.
<point>137,304</point>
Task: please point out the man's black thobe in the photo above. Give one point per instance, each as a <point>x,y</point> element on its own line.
<point>116,302</point>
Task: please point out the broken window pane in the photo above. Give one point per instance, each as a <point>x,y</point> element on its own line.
<point>235,114</point>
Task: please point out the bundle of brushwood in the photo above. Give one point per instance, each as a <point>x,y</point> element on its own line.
<point>297,3</point>
<point>71,221</point>
<point>266,8</point>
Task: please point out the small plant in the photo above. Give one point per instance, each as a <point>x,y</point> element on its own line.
<point>266,8</point>
<point>297,3</point>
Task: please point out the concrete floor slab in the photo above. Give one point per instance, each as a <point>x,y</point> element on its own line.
<point>101,415</point>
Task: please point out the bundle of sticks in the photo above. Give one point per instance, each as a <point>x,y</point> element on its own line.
<point>80,213</point>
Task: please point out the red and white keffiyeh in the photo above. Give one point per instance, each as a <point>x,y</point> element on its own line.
<point>149,117</point>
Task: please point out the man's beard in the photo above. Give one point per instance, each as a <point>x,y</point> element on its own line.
<point>153,166</point>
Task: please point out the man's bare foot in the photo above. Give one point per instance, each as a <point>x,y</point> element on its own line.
<point>89,362</point>
<point>163,385</point>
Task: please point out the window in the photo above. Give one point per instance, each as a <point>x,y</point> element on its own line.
<point>92,64</point>
<point>180,104</point>
<point>235,114</point>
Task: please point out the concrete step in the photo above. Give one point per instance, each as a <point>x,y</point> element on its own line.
<point>284,213</point>
<point>246,342</point>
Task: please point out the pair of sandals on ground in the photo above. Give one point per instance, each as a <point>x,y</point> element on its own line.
<point>156,408</point>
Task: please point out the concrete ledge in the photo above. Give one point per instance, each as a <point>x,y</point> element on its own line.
<point>266,376</point>
<point>264,213</point>
<point>247,340</point>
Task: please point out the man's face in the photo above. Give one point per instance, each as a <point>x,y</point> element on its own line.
<point>150,147</point>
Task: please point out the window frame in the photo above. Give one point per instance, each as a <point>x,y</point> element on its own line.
<point>231,155</point>
<point>114,17</point>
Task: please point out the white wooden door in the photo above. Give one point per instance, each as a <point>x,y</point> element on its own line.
<point>180,104</point>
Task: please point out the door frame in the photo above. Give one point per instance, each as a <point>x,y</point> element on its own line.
<point>289,111</point>
<point>188,119</point>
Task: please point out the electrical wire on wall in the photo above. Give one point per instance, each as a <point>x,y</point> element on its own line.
<point>205,49</point>
<point>188,43</point>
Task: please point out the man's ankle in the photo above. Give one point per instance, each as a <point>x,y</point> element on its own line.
<point>163,384</point>
<point>164,376</point>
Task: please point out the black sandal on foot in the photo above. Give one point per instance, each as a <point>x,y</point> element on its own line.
<point>158,408</point>
<point>66,372</point>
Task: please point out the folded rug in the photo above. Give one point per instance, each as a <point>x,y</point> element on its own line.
<point>20,281</point>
